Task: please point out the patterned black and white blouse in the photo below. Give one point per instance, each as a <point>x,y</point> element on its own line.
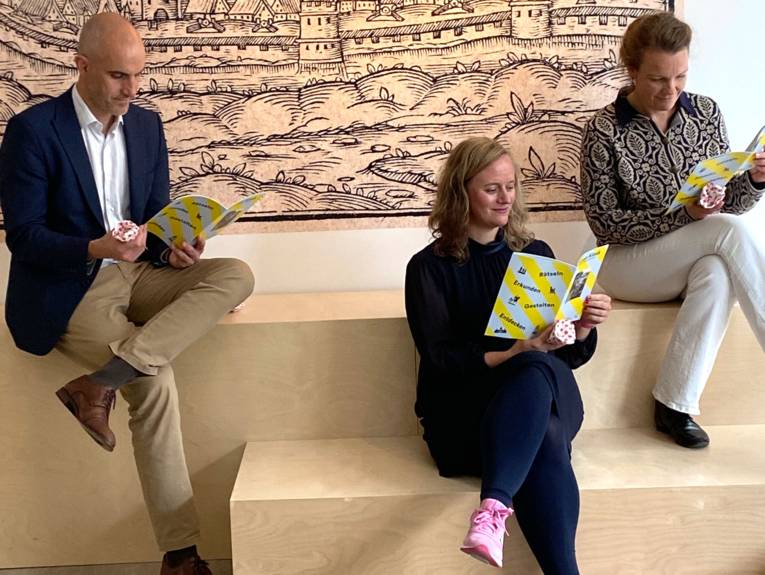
<point>631,171</point>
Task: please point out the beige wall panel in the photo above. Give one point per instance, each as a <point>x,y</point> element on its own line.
<point>365,536</point>
<point>648,507</point>
<point>302,380</point>
<point>240,383</point>
<point>616,384</point>
<point>692,531</point>
<point>63,500</point>
<point>308,377</point>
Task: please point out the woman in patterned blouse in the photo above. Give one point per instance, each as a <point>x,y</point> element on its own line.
<point>636,154</point>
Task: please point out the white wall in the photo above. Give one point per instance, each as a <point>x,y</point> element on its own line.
<point>724,64</point>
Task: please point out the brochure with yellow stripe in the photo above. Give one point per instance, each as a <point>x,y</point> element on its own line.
<point>718,170</point>
<point>190,217</point>
<point>536,291</point>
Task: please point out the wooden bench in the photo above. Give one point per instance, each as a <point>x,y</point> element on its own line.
<point>296,368</point>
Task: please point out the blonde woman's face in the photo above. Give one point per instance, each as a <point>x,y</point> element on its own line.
<point>491,193</point>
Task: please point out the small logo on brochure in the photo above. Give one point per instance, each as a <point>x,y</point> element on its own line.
<point>522,271</point>
<point>514,300</point>
<point>500,330</point>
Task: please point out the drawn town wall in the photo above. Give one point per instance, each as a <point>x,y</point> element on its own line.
<point>342,111</point>
<point>329,31</point>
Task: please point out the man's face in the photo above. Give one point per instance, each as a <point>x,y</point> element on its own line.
<point>109,79</point>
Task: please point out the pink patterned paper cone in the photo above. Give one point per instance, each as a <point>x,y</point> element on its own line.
<point>563,332</point>
<point>711,195</point>
<point>125,231</point>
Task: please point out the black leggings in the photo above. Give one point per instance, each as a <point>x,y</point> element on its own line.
<point>524,445</point>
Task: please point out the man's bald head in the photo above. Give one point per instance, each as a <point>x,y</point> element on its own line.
<point>110,60</point>
<point>105,30</point>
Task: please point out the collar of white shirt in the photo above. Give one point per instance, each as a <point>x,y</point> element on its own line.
<point>85,117</point>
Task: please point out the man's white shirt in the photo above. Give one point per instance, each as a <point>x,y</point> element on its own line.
<point>108,161</point>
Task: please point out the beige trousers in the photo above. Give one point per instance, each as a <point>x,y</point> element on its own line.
<point>147,316</point>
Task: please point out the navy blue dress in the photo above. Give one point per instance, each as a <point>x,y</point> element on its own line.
<point>448,305</point>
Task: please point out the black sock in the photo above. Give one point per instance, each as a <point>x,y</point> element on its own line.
<point>175,558</point>
<point>116,373</point>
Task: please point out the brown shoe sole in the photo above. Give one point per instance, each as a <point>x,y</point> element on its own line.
<point>71,405</point>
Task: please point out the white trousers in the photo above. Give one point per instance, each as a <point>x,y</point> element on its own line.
<point>710,264</point>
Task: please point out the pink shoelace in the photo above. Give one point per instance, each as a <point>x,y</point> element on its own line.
<point>491,521</point>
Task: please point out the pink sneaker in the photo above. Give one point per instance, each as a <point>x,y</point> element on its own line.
<point>486,535</point>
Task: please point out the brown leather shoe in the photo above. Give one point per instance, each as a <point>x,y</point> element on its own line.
<point>90,403</point>
<point>191,566</point>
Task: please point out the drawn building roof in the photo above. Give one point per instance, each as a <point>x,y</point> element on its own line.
<point>41,9</point>
<point>207,7</point>
<point>286,6</point>
<point>250,7</point>
<point>107,6</point>
<point>591,10</point>
<point>83,6</point>
<point>251,40</point>
<point>425,27</point>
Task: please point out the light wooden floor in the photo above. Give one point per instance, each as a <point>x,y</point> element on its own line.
<point>222,567</point>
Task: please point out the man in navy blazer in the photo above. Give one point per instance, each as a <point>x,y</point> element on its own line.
<point>71,169</point>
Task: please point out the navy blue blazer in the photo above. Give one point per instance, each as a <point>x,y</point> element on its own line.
<point>51,207</point>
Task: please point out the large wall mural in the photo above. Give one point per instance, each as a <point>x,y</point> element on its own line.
<point>341,111</point>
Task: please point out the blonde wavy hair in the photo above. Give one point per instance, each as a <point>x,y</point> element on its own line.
<point>451,212</point>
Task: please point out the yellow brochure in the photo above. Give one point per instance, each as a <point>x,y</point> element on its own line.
<point>718,170</point>
<point>536,291</point>
<point>190,217</point>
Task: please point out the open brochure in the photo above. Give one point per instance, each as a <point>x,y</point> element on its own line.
<point>717,170</point>
<point>536,291</point>
<point>190,217</point>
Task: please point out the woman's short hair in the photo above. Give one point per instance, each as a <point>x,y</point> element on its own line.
<point>451,212</point>
<point>656,31</point>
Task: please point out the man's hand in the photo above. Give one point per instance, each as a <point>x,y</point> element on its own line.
<point>109,247</point>
<point>186,255</point>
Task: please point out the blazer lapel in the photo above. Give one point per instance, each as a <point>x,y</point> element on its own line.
<point>136,168</point>
<point>67,128</point>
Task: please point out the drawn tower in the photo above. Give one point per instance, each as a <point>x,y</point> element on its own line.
<point>160,10</point>
<point>530,19</point>
<point>319,40</point>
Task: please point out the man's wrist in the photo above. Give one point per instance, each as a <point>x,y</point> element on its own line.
<point>93,251</point>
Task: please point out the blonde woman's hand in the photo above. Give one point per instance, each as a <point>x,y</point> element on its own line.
<point>597,307</point>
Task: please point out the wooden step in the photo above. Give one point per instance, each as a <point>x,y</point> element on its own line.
<point>616,384</point>
<point>378,506</point>
<point>286,367</point>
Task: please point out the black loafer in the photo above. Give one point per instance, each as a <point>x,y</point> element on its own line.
<point>680,427</point>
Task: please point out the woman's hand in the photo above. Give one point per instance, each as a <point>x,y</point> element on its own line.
<point>597,306</point>
<point>538,343</point>
<point>757,172</point>
<point>697,212</point>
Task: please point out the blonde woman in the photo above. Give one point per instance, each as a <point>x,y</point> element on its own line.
<point>501,409</point>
